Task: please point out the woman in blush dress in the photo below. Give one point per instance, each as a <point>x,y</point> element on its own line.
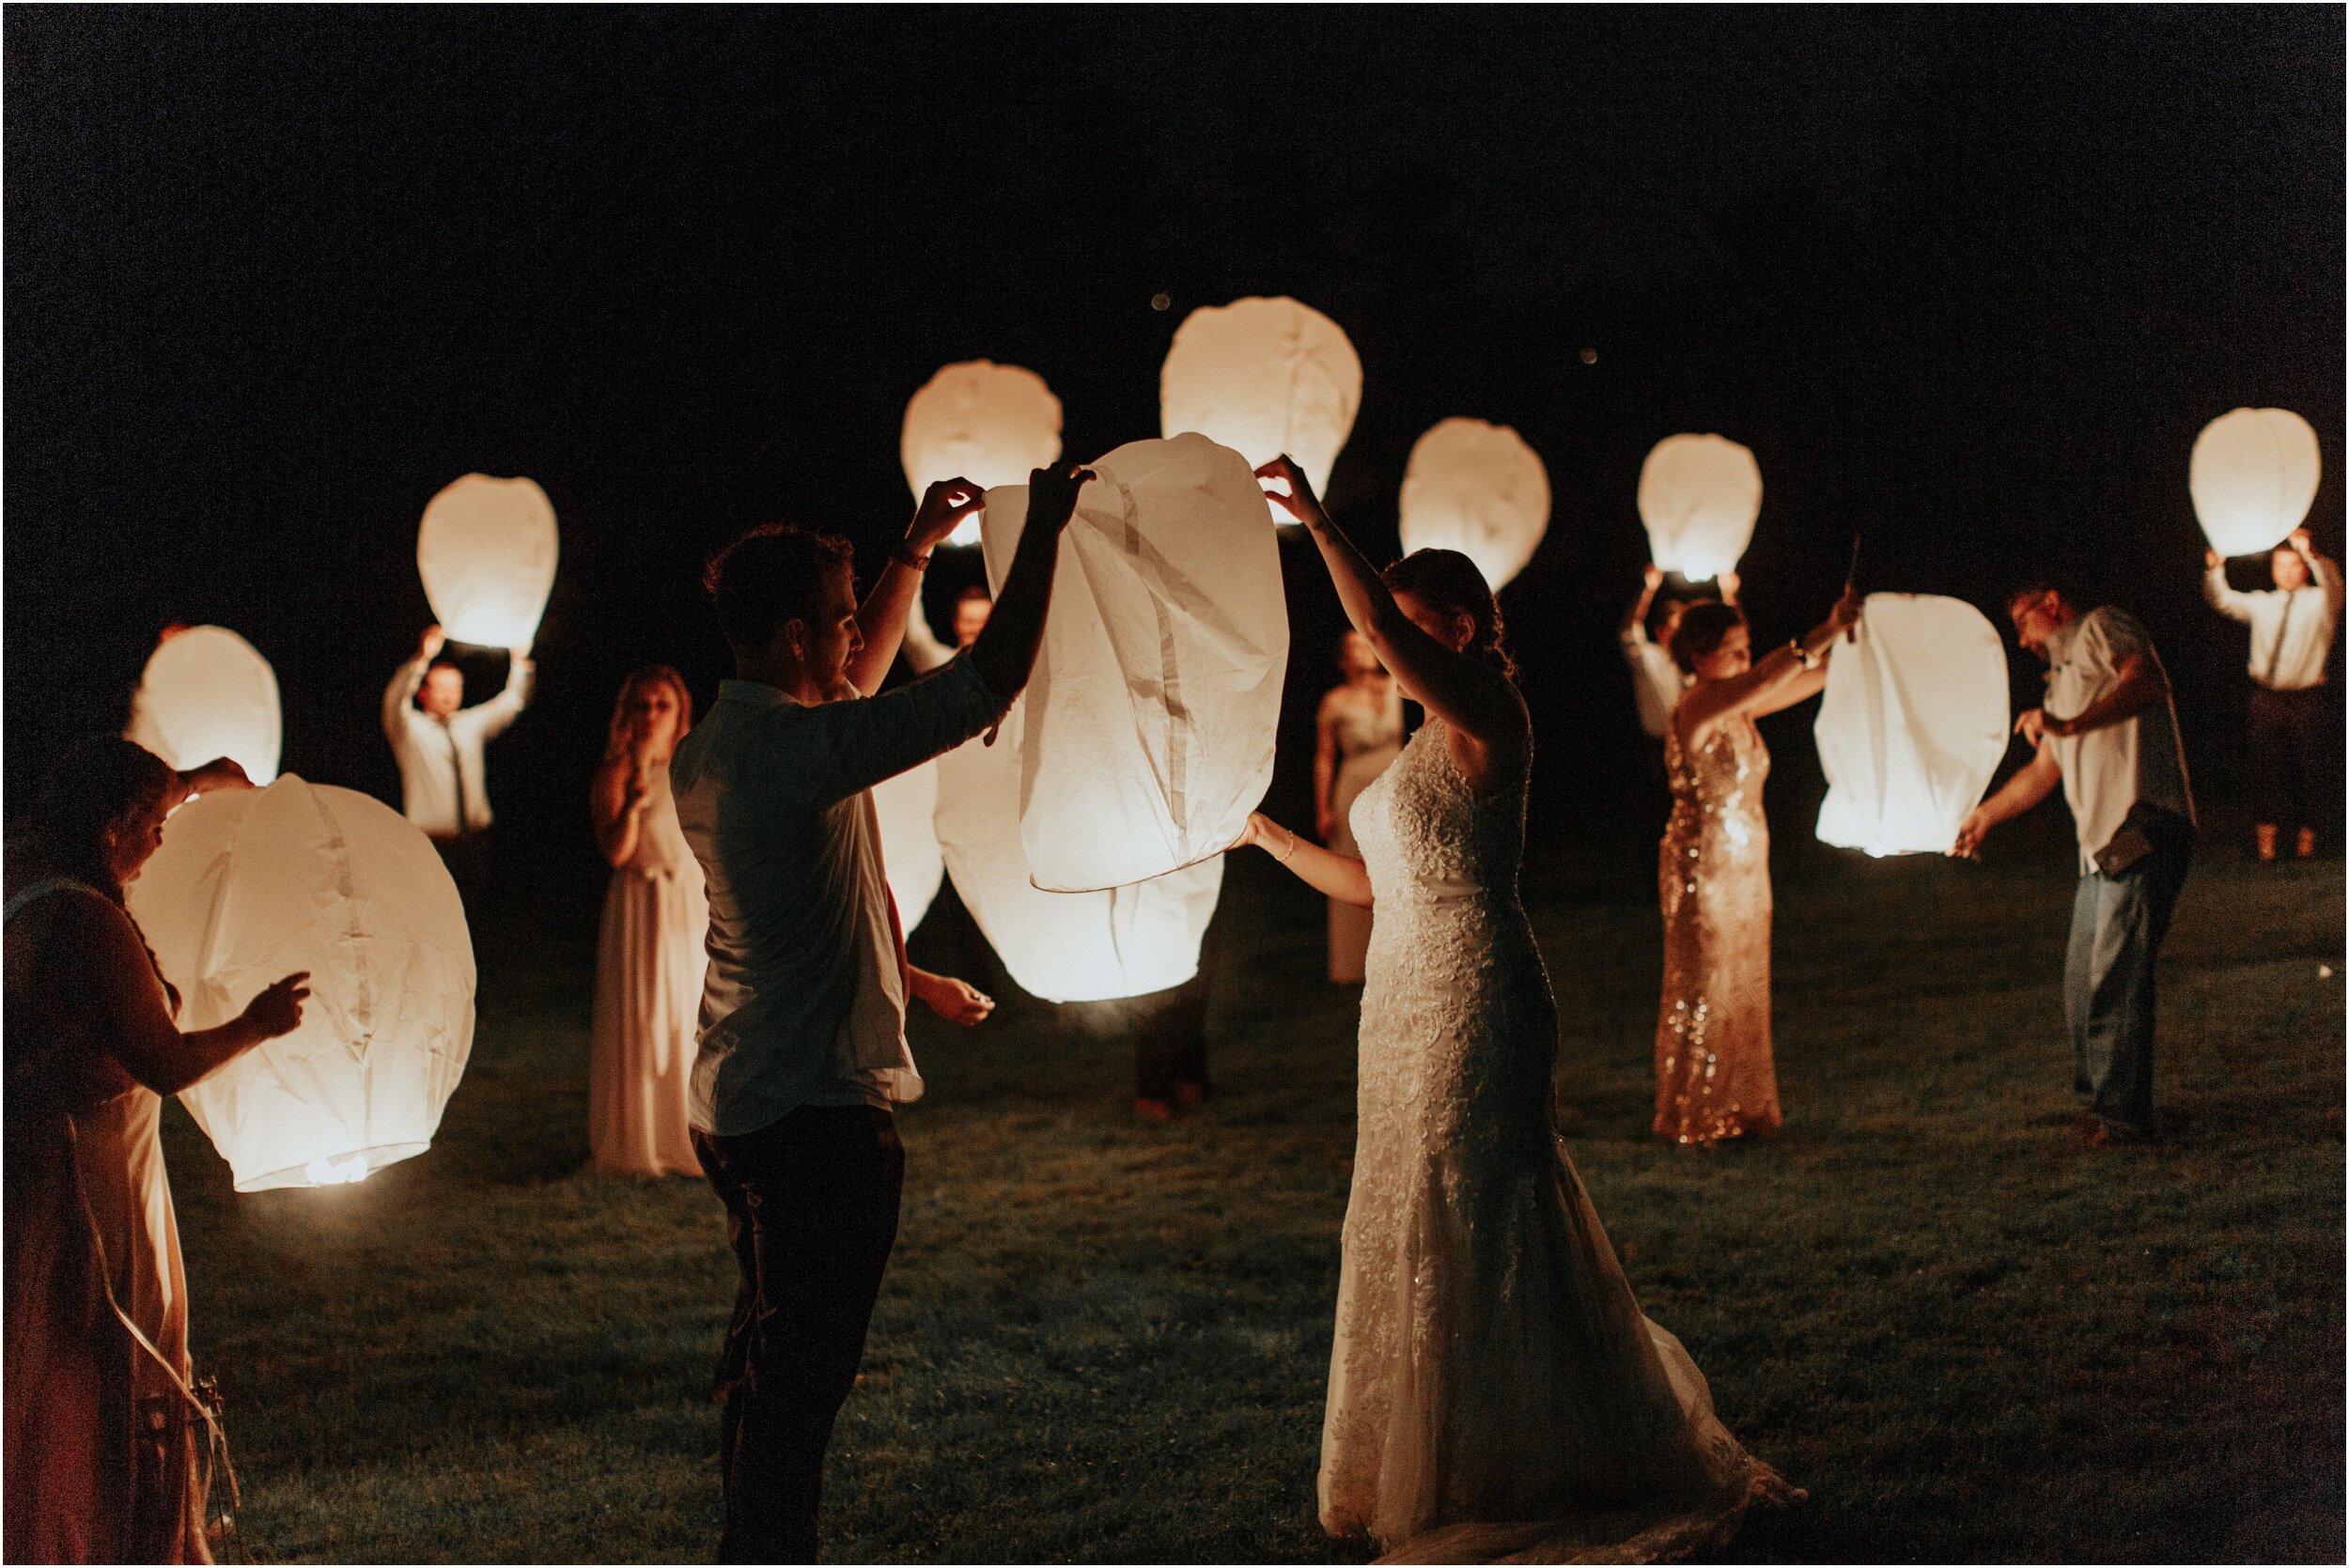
<point>108,1438</point>
<point>1715,1078</point>
<point>1494,1389</point>
<point>650,960</point>
<point>1357,732</point>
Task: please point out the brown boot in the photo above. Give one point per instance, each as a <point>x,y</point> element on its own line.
<point>2305,845</point>
<point>2263,834</point>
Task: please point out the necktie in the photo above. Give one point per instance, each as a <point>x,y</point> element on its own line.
<point>457,768</point>
<point>2276,654</point>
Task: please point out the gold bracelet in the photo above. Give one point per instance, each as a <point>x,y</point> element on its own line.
<point>1292,854</point>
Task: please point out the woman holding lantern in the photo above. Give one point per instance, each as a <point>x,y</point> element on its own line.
<point>1494,1388</point>
<point>650,958</point>
<point>1714,1074</point>
<point>103,1419</point>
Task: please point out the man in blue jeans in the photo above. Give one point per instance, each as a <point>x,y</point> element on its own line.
<point>2108,734</point>
<point>802,1044</point>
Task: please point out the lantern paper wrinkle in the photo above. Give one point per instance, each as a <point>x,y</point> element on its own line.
<point>208,693</point>
<point>1699,497</point>
<point>252,885</point>
<point>906,806</point>
<point>1156,698</point>
<point>487,551</point>
<point>2253,477</point>
<point>1097,946</point>
<point>1264,377</point>
<point>1912,724</point>
<point>988,423</point>
<point>1477,489</point>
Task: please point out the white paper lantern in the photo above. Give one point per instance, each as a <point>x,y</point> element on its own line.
<point>1477,489</point>
<point>988,423</point>
<point>1264,377</point>
<point>2253,477</point>
<point>1699,496</point>
<point>486,552</point>
<point>907,807</point>
<point>1912,724</point>
<point>1061,946</point>
<point>252,885</point>
<point>1156,697</point>
<point>207,694</point>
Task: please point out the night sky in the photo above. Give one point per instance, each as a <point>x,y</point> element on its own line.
<point>1968,281</point>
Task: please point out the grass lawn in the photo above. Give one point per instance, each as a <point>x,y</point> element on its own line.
<point>1967,1334</point>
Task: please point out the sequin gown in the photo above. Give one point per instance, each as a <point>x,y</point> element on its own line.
<point>1494,1388</point>
<point>1714,1074</point>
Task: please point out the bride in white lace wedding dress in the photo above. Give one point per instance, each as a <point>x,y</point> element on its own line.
<point>1495,1391</point>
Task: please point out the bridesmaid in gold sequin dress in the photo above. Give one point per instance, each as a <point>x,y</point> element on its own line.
<point>1714,1074</point>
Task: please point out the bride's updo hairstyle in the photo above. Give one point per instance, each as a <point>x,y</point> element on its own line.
<point>1702,628</point>
<point>1448,581</point>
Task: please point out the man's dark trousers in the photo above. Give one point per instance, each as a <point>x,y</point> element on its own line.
<point>812,1211</point>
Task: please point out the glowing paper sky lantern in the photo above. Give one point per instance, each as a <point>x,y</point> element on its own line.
<point>988,423</point>
<point>252,885</point>
<point>1699,496</point>
<point>1156,697</point>
<point>487,551</point>
<point>1477,489</point>
<point>207,694</point>
<point>1061,946</point>
<point>1264,377</point>
<point>2253,477</point>
<point>907,807</point>
<point>1912,724</point>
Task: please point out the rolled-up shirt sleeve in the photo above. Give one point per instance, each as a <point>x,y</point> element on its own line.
<point>871,739</point>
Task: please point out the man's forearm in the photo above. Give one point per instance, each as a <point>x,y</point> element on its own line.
<point>2137,690</point>
<point>2031,783</point>
<point>1006,647</point>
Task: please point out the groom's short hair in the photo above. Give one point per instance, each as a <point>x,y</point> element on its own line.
<point>772,574</point>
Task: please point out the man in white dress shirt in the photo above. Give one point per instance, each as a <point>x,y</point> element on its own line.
<point>2292,637</point>
<point>802,1026</point>
<point>2108,734</point>
<point>438,741</point>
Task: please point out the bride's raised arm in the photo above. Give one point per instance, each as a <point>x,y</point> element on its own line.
<point>1470,695</point>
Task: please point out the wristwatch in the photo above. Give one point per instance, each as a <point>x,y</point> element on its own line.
<point>906,558</point>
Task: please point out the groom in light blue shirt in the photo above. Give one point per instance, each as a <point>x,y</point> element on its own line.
<point>803,1025</point>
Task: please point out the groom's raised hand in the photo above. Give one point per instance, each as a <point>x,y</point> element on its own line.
<point>944,505</point>
<point>1052,493</point>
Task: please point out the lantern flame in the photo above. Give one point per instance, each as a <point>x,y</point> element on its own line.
<point>328,1172</point>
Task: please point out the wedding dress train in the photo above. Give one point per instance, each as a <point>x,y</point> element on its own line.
<point>1494,1389</point>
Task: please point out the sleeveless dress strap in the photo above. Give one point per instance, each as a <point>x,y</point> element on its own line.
<point>27,897</point>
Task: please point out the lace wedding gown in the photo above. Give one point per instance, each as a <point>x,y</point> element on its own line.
<point>1494,1389</point>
